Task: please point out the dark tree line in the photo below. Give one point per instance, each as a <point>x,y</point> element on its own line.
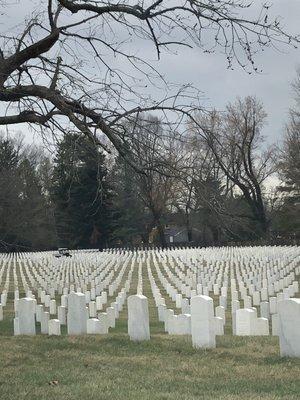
<point>210,181</point>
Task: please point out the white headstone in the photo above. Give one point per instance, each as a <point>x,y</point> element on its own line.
<point>138,318</point>
<point>219,326</point>
<point>62,314</point>
<point>261,327</point>
<point>38,314</point>
<point>245,322</point>
<point>54,327</point>
<point>265,309</point>
<point>26,315</point>
<point>275,325</point>
<point>52,307</point>
<point>103,323</point>
<point>45,316</point>
<point>16,326</point>
<point>202,322</point>
<point>289,327</point>
<point>111,317</point>
<point>77,315</point>
<point>93,326</point>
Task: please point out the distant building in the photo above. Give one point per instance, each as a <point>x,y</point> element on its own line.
<point>179,234</point>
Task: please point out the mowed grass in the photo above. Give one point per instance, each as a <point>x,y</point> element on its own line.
<point>166,367</point>
<point>112,367</point>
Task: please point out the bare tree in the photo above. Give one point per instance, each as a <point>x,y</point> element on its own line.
<point>289,163</point>
<point>196,166</point>
<point>236,140</point>
<point>63,67</point>
<point>159,161</point>
<point>204,195</point>
<point>287,196</point>
<point>290,157</point>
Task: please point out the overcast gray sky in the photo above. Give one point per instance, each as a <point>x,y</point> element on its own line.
<point>219,85</point>
<point>208,72</point>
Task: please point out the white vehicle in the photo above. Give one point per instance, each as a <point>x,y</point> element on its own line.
<point>63,252</point>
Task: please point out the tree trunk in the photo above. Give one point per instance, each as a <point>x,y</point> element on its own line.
<point>189,228</point>
<point>161,233</point>
<point>260,216</point>
<point>263,223</point>
<point>215,233</point>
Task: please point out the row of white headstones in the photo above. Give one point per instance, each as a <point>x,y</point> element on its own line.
<point>263,276</point>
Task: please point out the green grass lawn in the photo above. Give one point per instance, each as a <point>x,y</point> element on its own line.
<point>166,367</point>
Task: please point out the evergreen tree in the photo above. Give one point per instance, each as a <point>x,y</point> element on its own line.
<point>38,226</point>
<point>9,194</point>
<point>81,194</point>
<point>24,217</point>
<point>131,219</point>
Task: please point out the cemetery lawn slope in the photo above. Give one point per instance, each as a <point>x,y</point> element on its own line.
<point>112,367</point>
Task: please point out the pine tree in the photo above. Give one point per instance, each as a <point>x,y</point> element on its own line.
<point>131,218</point>
<point>81,194</point>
